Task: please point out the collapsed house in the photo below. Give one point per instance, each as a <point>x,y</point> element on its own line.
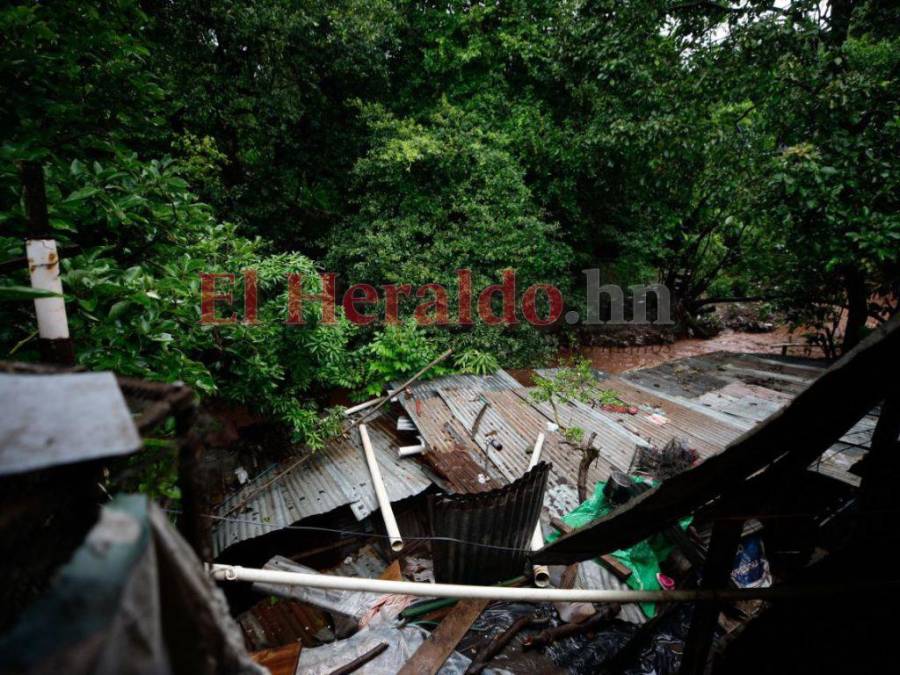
<point>705,510</point>
<point>463,486</point>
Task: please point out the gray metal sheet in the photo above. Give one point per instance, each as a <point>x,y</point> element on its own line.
<point>493,382</point>
<point>335,476</point>
<point>48,420</point>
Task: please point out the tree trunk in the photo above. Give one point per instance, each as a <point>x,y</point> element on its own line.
<point>857,308</point>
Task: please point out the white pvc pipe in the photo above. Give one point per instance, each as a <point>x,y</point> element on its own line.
<point>541,573</point>
<point>43,266</point>
<point>408,450</point>
<point>363,406</point>
<point>461,591</point>
<point>384,503</point>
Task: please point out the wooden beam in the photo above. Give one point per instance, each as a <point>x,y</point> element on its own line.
<point>793,436</point>
<point>716,574</point>
<point>878,491</point>
<point>432,653</point>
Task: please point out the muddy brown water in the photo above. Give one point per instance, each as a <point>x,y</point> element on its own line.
<point>620,359</point>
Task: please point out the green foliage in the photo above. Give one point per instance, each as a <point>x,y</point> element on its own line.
<point>134,295</point>
<point>12,293</point>
<point>395,352</point>
<point>574,382</point>
<point>476,362</point>
<point>722,148</point>
<point>607,397</point>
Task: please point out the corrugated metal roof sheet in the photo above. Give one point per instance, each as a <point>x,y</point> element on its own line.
<point>494,382</point>
<point>335,476</point>
<point>504,517</point>
<point>267,624</point>
<point>756,388</point>
<point>513,421</point>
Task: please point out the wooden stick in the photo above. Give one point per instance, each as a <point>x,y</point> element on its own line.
<point>399,390</point>
<point>361,660</point>
<point>432,653</point>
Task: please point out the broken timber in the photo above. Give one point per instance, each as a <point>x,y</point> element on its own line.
<point>432,653</point>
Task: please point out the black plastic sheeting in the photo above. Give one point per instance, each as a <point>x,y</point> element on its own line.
<point>500,519</point>
<point>658,652</point>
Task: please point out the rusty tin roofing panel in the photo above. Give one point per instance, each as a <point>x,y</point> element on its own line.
<point>335,476</point>
<point>272,624</point>
<point>494,382</point>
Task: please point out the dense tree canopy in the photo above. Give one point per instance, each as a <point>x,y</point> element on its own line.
<point>725,148</point>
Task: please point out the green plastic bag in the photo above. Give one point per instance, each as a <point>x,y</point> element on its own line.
<point>643,559</point>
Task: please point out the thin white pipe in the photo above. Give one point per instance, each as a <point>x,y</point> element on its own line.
<point>536,452</point>
<point>541,573</point>
<point>384,503</point>
<point>461,591</point>
<point>408,450</point>
<point>43,266</point>
<point>367,404</point>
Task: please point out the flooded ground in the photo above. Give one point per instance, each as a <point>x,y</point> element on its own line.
<point>619,359</point>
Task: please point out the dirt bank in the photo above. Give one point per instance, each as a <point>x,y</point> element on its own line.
<point>619,359</point>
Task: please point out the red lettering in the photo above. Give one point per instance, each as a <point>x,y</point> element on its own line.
<point>251,295</point>
<point>440,305</point>
<point>296,296</point>
<point>464,296</point>
<point>392,293</point>
<point>351,299</point>
<point>529,310</point>
<point>209,297</point>
<point>507,290</point>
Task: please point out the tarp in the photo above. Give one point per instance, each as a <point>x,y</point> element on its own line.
<point>643,559</point>
<point>402,644</point>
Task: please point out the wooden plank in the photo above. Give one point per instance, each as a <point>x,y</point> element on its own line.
<point>821,413</point>
<point>392,572</point>
<point>716,574</point>
<point>432,653</point>
<point>878,492</point>
<point>281,660</point>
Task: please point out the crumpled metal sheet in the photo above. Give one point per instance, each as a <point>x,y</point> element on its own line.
<point>345,607</point>
<point>502,520</point>
<point>495,382</point>
<point>335,476</point>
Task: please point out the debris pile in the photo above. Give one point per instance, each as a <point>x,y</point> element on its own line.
<point>421,539</point>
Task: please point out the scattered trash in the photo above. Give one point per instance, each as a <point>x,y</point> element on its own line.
<point>664,463</point>
<point>346,608</point>
<point>644,558</point>
<point>498,642</point>
<point>402,644</point>
<point>658,419</point>
<point>666,582</point>
<point>622,409</point>
<point>751,567</point>
<point>241,475</point>
<point>588,626</point>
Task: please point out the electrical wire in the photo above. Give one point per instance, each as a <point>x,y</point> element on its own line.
<point>355,533</point>
<point>495,547</point>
